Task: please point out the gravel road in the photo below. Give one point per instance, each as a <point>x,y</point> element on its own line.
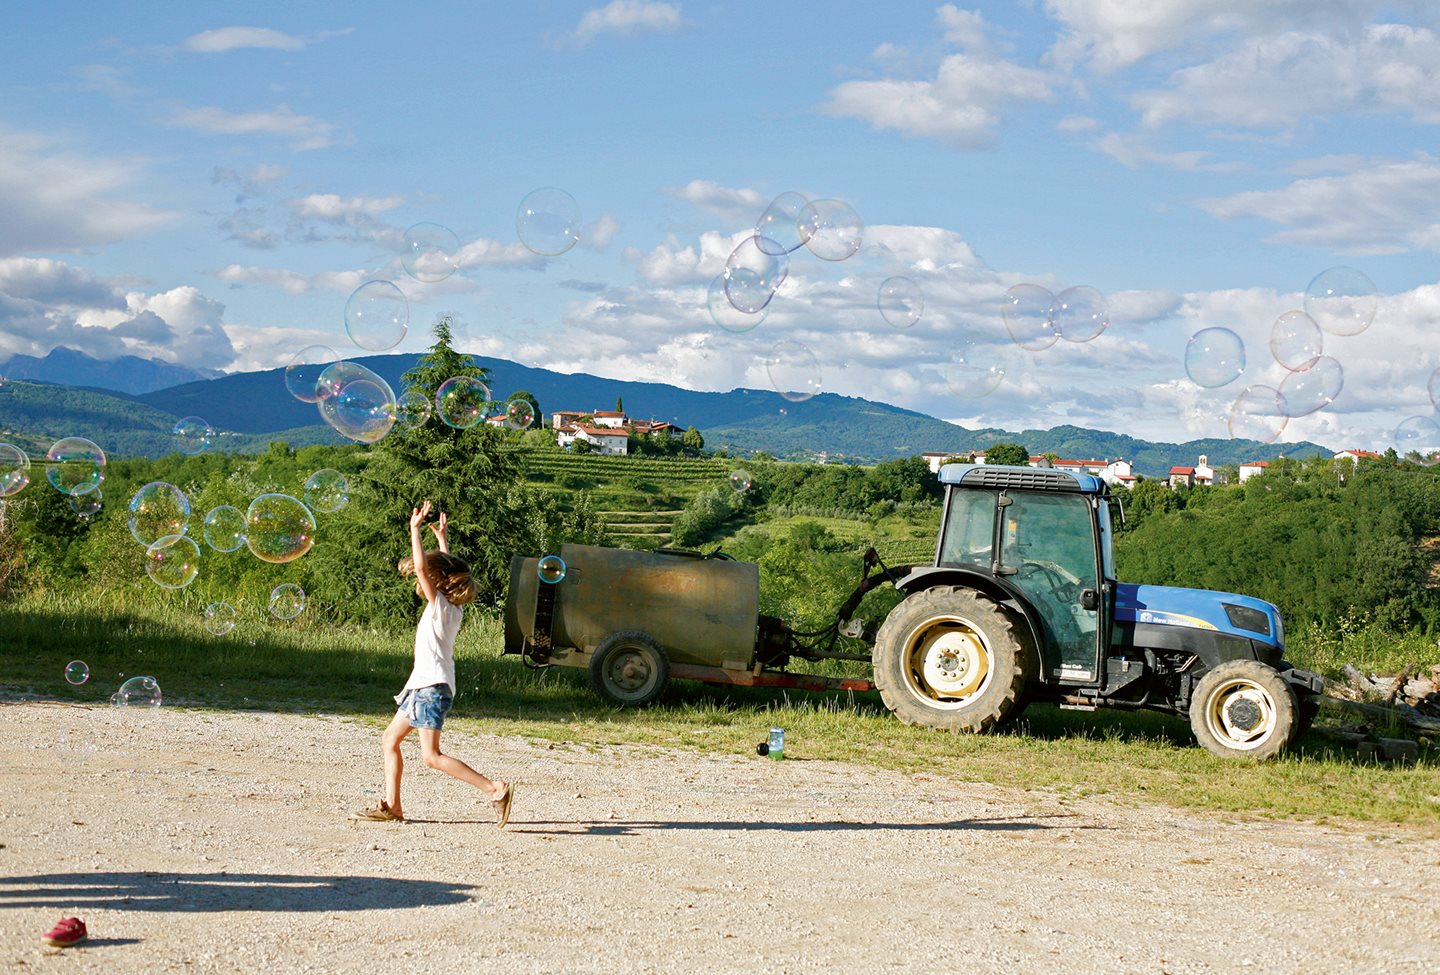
<point>219,842</point>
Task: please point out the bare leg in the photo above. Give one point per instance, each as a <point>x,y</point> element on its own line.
<point>395,733</point>
<point>436,759</point>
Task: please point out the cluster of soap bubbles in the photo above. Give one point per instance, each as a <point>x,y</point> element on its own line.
<point>1340,301</point>
<point>74,466</point>
<point>137,692</point>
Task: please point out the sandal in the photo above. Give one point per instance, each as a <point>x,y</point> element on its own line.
<point>378,814</point>
<point>502,805</point>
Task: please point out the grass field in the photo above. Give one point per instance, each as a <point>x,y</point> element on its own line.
<point>302,668</point>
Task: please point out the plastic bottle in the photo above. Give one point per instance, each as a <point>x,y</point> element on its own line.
<point>777,743</point>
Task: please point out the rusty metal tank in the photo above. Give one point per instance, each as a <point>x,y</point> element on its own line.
<point>700,610</point>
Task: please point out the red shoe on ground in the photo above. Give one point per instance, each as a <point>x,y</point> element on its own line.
<point>70,930</point>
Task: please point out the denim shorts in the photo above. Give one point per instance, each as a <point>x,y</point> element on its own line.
<point>426,707</point>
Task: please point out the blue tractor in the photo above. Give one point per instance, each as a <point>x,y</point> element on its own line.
<point>1022,604</point>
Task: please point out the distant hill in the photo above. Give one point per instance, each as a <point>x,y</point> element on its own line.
<point>127,374</point>
<point>251,409</point>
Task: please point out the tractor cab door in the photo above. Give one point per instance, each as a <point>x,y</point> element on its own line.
<point>1048,551</point>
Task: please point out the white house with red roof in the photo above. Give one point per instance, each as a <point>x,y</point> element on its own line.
<point>1252,467</point>
<point>1356,455</point>
<point>604,439</point>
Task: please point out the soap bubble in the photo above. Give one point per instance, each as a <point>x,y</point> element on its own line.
<point>14,470</point>
<point>432,252</point>
<point>1296,341</point>
<point>287,601</point>
<point>900,301</point>
<point>74,465</point>
<point>193,435</point>
<point>87,506</point>
<point>377,316</point>
<point>156,510</point>
<point>77,672</point>
<point>138,692</point>
<point>302,375</point>
<point>1304,391</point>
<point>725,314</point>
<point>519,413</point>
<point>973,370</point>
<point>1214,357</point>
<point>412,409</point>
<point>1081,313</point>
<point>461,401</point>
<point>778,228</point>
<point>356,402</point>
<point>1418,435</point>
<point>173,562</point>
<point>830,229</point>
<point>1028,311</point>
<point>1433,387</point>
<point>752,275</point>
<point>548,221</point>
<point>1258,413</point>
<point>225,528</point>
<point>278,528</point>
<point>740,479</point>
<point>794,371</point>
<point>327,490</point>
<point>1341,300</point>
<point>220,618</point>
<point>551,568</point>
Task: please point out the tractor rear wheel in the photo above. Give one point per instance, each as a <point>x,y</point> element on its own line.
<point>629,668</point>
<point>1244,709</point>
<point>950,658</point>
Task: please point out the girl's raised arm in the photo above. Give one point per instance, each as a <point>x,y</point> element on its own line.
<point>417,551</point>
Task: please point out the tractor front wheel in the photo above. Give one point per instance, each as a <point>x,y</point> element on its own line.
<point>950,658</point>
<point>629,668</point>
<point>1244,709</point>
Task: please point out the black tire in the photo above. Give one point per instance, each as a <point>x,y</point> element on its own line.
<point>629,668</point>
<point>1244,709</point>
<point>950,658</point>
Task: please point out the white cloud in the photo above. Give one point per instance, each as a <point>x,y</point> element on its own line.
<point>599,234</point>
<point>224,39</point>
<point>729,202</point>
<point>627,17</point>
<point>1078,123</point>
<point>293,282</point>
<point>1134,152</point>
<point>59,200</point>
<point>57,284</point>
<point>338,209</point>
<point>305,132</point>
<point>1368,211</point>
<point>671,263</point>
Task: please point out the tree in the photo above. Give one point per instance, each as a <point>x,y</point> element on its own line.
<point>581,446</point>
<point>619,406</point>
<point>692,441</point>
<point>1007,453</point>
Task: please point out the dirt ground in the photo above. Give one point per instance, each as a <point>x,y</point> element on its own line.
<point>219,842</point>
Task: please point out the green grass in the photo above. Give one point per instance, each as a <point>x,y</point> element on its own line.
<point>312,668</point>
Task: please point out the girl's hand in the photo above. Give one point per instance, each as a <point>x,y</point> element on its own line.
<point>418,515</point>
<point>439,527</point>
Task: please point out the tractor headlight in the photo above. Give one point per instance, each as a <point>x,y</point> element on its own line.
<point>1248,618</point>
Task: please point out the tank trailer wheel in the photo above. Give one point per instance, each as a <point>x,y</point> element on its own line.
<point>1244,709</point>
<point>950,658</point>
<point>629,669</point>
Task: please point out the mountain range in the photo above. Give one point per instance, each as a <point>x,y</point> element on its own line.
<point>107,402</point>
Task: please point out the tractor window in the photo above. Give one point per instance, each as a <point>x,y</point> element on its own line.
<point>1049,542</point>
<point>969,537</point>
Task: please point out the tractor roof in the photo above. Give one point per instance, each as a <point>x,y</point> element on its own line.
<point>1023,478</point>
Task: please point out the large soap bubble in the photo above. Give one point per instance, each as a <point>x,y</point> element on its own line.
<point>87,505</point>
<point>156,510</point>
<point>356,402</point>
<point>778,228</point>
<point>220,618</point>
<point>1304,391</point>
<point>193,435</point>
<point>278,528</point>
<point>551,569</point>
<point>1214,357</point>
<point>14,470</point>
<point>1296,341</point>
<point>77,672</point>
<point>725,314</point>
<point>831,229</point>
<point>302,375</point>
<point>519,413</point>
<point>1341,300</point>
<point>752,275</point>
<point>794,371</point>
<point>973,370</point>
<point>461,401</point>
<point>412,410</point>
<point>1028,311</point>
<point>327,490</point>
<point>1258,413</point>
<point>900,301</point>
<point>1081,313</point>
<point>432,252</point>
<point>74,465</point>
<point>225,528</point>
<point>548,221</point>
<point>287,601</point>
<point>1418,436</point>
<point>138,692</point>
<point>740,480</point>
<point>377,316</point>
<point>173,562</point>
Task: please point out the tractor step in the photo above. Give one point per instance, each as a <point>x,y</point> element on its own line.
<point>1075,704</point>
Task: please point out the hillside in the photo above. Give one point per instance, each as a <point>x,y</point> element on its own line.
<point>251,409</point>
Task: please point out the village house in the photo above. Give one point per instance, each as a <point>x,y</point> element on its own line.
<point>1252,467</point>
<point>1109,471</point>
<point>1356,455</point>
<point>607,430</point>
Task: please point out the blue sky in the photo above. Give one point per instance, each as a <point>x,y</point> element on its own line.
<point>207,184</point>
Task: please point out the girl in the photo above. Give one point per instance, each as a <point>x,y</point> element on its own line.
<point>445,582</point>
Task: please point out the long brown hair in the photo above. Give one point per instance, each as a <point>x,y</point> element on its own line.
<point>448,573</point>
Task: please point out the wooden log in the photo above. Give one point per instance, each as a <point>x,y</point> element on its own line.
<point>1358,680</point>
<point>1404,714</point>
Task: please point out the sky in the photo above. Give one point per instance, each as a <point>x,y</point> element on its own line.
<point>208,184</point>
